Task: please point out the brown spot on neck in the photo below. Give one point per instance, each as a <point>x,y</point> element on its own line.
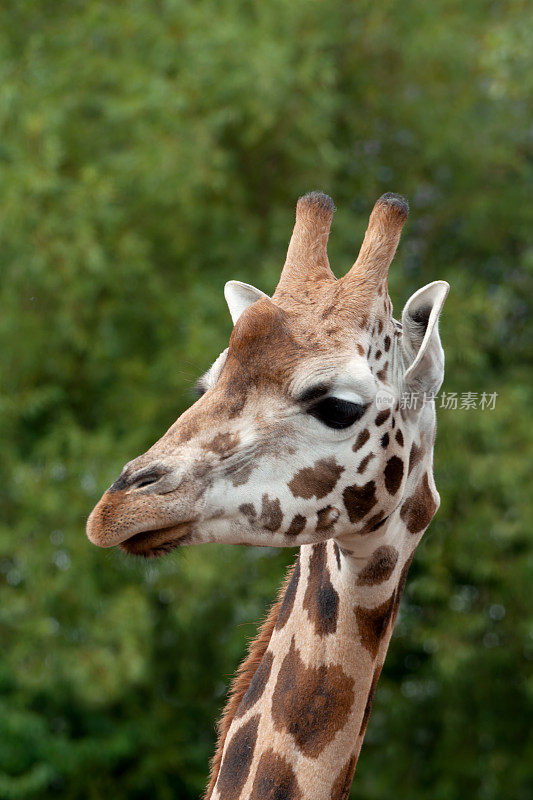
<point>238,760</point>
<point>372,624</point>
<point>321,600</point>
<point>400,587</point>
<point>337,554</point>
<point>257,685</point>
<point>275,779</point>
<point>311,704</point>
<point>242,680</point>
<point>341,786</point>
<point>370,699</point>
<point>289,596</point>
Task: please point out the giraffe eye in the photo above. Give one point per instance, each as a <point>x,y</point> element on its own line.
<point>337,413</point>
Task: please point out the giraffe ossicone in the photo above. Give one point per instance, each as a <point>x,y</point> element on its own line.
<point>299,440</point>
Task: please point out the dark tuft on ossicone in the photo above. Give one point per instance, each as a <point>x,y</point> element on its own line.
<point>318,201</point>
<point>396,202</point>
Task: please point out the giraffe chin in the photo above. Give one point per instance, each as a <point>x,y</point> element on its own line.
<point>151,544</point>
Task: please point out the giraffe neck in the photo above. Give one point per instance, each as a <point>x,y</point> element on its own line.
<point>301,722</point>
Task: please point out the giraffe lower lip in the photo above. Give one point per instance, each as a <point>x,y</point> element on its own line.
<point>156,542</point>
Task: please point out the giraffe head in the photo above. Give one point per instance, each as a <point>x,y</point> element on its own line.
<point>298,435</point>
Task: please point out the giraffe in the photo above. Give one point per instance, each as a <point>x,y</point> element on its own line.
<point>299,439</point>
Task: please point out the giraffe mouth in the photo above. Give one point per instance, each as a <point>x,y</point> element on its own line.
<point>159,542</point>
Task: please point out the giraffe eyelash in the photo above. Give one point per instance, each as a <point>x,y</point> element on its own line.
<point>336,412</point>
<point>199,388</point>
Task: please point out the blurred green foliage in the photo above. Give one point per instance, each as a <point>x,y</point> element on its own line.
<point>149,151</point>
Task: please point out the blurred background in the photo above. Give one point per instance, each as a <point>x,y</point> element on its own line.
<point>149,151</point>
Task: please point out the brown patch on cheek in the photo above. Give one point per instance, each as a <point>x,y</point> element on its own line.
<point>393,474</point>
<point>419,509</point>
<point>197,482</point>
<point>257,685</point>
<point>414,457</point>
<point>248,509</point>
<point>359,500</point>
<point>288,599</point>
<point>364,463</point>
<point>297,525</point>
<point>362,439</point>
<point>240,475</point>
<point>223,444</point>
<point>275,779</point>
<point>316,481</point>
<point>376,521</point>
<point>237,760</point>
<point>372,624</point>
<point>379,567</point>
<point>321,600</point>
<point>382,374</point>
<point>341,787</point>
<point>326,519</point>
<point>311,704</point>
<point>383,416</point>
<point>399,437</point>
<point>271,515</point>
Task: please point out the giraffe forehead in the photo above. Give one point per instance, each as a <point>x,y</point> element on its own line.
<point>297,347</point>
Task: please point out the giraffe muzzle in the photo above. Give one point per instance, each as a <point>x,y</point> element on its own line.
<point>150,544</point>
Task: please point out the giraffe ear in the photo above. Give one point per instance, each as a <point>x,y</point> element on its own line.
<point>239,296</point>
<point>423,353</point>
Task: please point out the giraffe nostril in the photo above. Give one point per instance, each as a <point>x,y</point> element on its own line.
<point>142,482</point>
<point>147,477</point>
<point>140,479</point>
